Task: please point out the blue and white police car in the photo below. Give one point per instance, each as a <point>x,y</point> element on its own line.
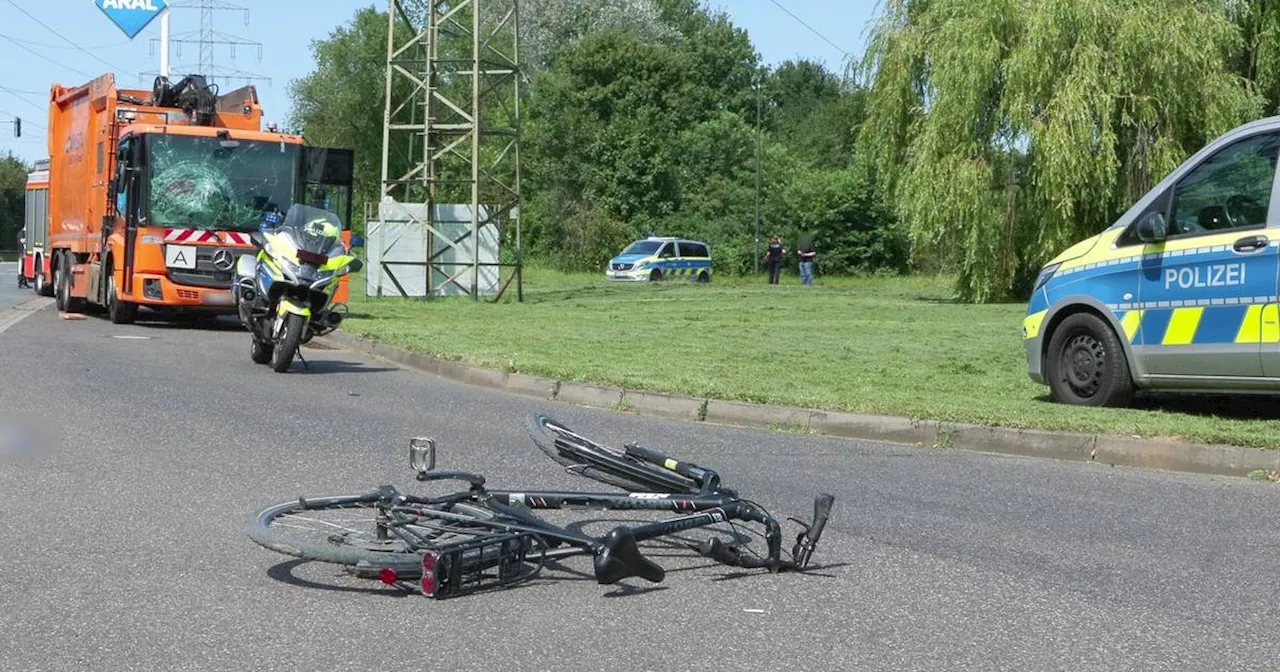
<point>662,258</point>
<point>1180,293</point>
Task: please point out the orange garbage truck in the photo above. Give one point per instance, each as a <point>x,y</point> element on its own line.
<point>152,195</point>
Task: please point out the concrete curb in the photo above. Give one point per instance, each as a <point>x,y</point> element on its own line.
<point>22,311</point>
<point>1096,448</point>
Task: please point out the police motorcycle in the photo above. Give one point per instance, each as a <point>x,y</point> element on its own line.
<point>284,293</point>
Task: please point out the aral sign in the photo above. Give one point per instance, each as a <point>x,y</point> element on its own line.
<point>131,16</point>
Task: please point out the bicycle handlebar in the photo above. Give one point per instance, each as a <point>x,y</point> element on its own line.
<point>729,555</point>
<point>805,544</point>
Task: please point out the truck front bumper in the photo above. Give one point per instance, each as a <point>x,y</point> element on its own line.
<point>157,290</point>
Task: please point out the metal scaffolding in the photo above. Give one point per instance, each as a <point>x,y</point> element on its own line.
<point>451,143</point>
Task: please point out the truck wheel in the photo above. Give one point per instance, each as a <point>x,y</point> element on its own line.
<point>282,358</point>
<point>59,283</point>
<point>1087,365</point>
<point>42,288</point>
<point>121,312</point>
<point>62,280</point>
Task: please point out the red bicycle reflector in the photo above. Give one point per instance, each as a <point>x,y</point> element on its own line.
<point>388,576</point>
<point>428,581</point>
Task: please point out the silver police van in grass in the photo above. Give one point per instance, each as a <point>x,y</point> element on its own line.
<point>1180,293</point>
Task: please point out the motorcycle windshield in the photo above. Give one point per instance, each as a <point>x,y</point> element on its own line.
<point>313,230</point>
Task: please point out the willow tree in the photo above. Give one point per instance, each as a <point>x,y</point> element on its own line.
<point>1004,130</point>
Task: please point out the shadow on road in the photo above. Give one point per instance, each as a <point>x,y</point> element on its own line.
<point>283,573</point>
<point>1235,407</point>
<point>322,366</point>
<point>152,320</point>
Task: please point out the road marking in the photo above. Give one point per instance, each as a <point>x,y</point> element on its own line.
<point>22,311</point>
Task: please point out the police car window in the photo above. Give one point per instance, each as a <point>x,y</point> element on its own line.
<point>668,250</point>
<point>1229,190</point>
<point>642,247</point>
<point>692,250</point>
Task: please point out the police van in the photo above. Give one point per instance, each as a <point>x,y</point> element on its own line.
<point>1179,294</point>
<point>661,258</point>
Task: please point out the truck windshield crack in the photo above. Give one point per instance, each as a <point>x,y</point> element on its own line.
<point>200,183</point>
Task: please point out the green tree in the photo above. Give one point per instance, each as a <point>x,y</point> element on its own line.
<point>550,26</point>
<point>13,189</point>
<point>340,103</point>
<point>1004,130</point>
<point>814,111</point>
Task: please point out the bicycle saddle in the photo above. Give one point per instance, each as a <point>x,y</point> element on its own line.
<point>621,559</point>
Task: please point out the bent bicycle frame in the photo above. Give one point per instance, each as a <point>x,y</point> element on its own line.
<point>399,512</point>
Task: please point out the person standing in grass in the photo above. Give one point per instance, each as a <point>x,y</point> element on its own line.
<point>773,258</point>
<point>807,257</point>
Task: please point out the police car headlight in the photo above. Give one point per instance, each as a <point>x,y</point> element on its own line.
<point>1045,273</point>
<point>639,265</point>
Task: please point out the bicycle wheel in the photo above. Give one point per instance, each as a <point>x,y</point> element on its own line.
<point>603,463</point>
<point>359,529</point>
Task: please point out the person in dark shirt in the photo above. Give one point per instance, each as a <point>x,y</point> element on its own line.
<point>807,257</point>
<point>22,253</point>
<point>773,258</point>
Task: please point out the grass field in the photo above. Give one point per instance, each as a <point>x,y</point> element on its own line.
<point>896,346</point>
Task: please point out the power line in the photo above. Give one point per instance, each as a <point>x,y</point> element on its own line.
<point>801,21</point>
<point>46,45</point>
<point>24,122</point>
<point>19,97</point>
<point>23,91</point>
<point>60,65</point>
<point>64,39</point>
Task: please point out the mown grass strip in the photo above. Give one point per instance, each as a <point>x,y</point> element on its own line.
<point>897,346</point>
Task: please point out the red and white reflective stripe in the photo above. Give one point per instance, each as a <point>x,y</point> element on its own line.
<point>189,236</point>
<point>238,238</point>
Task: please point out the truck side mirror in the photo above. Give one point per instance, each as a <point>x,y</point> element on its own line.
<point>357,241</point>
<point>1151,228</point>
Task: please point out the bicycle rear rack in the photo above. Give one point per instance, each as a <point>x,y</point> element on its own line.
<point>495,561</point>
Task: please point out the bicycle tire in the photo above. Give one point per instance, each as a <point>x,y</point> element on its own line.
<point>545,430</point>
<point>396,553</point>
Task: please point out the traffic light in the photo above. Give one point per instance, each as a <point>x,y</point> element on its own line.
<point>17,127</point>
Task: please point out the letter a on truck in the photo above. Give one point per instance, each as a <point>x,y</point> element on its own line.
<point>1180,293</point>
<point>153,194</point>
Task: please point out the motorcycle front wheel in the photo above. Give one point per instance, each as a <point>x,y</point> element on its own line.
<point>287,346</point>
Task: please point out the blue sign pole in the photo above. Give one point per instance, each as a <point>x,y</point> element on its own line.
<point>131,16</point>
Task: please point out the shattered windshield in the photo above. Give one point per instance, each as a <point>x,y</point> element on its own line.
<point>211,184</point>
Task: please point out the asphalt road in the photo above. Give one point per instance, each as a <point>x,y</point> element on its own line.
<point>122,542</point>
<point>10,294</point>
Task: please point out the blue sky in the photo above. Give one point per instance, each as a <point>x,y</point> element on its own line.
<point>35,56</point>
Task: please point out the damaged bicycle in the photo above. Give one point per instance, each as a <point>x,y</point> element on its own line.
<point>481,539</point>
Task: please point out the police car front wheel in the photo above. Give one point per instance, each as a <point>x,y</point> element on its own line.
<point>1087,364</point>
